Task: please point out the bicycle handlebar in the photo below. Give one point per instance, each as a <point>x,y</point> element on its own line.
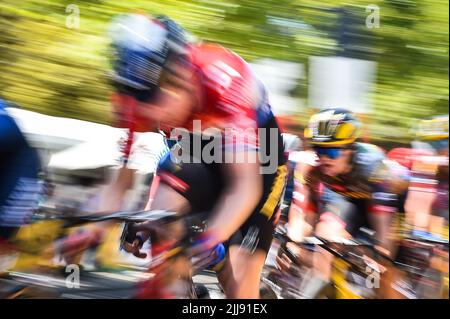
<point>325,244</point>
<point>125,216</point>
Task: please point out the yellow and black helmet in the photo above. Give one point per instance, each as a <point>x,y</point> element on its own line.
<point>432,129</point>
<point>332,127</point>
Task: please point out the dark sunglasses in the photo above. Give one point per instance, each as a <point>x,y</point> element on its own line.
<point>330,152</point>
<point>148,95</point>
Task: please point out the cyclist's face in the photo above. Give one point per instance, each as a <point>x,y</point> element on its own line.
<point>122,114</point>
<point>175,102</point>
<point>336,164</point>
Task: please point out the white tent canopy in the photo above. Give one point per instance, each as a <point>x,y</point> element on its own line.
<point>44,129</point>
<point>280,78</point>
<point>81,145</point>
<point>98,153</point>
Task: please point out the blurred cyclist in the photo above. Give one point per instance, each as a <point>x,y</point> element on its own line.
<point>291,145</point>
<point>427,201</point>
<point>20,186</point>
<point>352,185</point>
<point>161,78</point>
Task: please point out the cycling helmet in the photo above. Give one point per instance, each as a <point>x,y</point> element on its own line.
<point>434,128</point>
<point>332,127</point>
<point>141,48</point>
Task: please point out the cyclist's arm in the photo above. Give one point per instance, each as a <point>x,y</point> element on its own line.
<point>388,183</point>
<point>242,194</point>
<point>302,212</point>
<point>112,198</point>
<point>421,195</point>
<point>154,185</point>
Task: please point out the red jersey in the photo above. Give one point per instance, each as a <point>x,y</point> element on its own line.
<point>231,96</point>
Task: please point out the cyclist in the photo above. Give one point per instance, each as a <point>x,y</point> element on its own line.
<point>427,201</point>
<point>161,78</point>
<point>426,209</point>
<point>20,185</point>
<point>352,185</point>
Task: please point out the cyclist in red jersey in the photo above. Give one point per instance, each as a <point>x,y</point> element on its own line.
<point>427,201</point>
<point>231,164</point>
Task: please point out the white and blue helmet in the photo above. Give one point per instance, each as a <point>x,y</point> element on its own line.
<point>141,48</point>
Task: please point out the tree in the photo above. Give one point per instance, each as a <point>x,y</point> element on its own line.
<point>47,67</point>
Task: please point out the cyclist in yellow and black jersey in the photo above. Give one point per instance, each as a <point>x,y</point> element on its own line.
<point>350,185</point>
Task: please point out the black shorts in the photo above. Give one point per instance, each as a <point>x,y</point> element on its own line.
<point>202,185</point>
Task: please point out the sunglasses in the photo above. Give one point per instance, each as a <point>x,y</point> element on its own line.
<point>148,95</point>
<point>330,152</point>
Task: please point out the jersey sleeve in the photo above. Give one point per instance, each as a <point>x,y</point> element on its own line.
<point>390,181</point>
<point>234,109</point>
<point>423,174</point>
<point>241,117</point>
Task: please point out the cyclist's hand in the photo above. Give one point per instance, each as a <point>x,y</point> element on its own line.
<point>204,243</point>
<point>287,264</point>
<point>134,248</point>
<point>374,265</point>
<point>382,250</point>
<point>284,263</point>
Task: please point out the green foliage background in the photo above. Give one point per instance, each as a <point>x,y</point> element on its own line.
<point>49,68</point>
